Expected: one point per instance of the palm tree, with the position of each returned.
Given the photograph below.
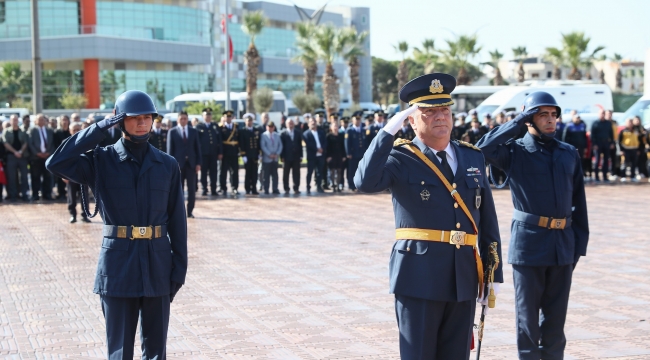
(426, 55)
(619, 74)
(352, 44)
(574, 45)
(520, 53)
(327, 44)
(12, 81)
(307, 54)
(402, 70)
(459, 53)
(556, 57)
(495, 56)
(253, 23)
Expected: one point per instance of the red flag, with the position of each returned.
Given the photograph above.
(223, 29)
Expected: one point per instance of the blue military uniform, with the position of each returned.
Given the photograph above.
(230, 160)
(159, 139)
(435, 283)
(210, 139)
(134, 277)
(549, 231)
(355, 138)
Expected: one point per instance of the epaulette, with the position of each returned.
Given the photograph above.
(400, 142)
(466, 144)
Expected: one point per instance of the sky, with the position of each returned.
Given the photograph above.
(621, 26)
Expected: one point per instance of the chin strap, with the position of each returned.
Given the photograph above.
(542, 136)
(136, 139)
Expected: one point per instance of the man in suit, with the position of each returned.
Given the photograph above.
(249, 143)
(271, 146)
(158, 136)
(316, 147)
(60, 134)
(355, 139)
(41, 145)
(291, 155)
(183, 144)
(230, 159)
(210, 138)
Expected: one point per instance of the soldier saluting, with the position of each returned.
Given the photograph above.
(550, 230)
(143, 258)
(444, 218)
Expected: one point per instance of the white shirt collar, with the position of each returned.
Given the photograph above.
(451, 156)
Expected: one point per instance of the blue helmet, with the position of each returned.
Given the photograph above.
(541, 98)
(135, 102)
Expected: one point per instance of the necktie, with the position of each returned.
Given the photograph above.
(44, 138)
(184, 136)
(446, 169)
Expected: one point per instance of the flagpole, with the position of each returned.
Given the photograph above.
(227, 56)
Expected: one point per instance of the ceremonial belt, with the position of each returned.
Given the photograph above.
(233, 143)
(454, 194)
(229, 140)
(135, 232)
(542, 221)
(453, 237)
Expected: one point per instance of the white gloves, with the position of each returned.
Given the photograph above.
(397, 121)
(245, 159)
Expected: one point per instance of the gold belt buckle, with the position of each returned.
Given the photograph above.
(457, 238)
(556, 223)
(141, 232)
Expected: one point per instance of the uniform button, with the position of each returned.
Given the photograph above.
(422, 183)
(408, 249)
(456, 205)
(457, 225)
(454, 185)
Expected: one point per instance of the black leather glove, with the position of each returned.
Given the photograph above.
(526, 116)
(173, 290)
(111, 121)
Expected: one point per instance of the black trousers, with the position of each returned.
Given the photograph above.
(294, 168)
(61, 187)
(616, 162)
(41, 178)
(434, 330)
(642, 163)
(353, 164)
(631, 161)
(209, 167)
(541, 301)
(229, 164)
(188, 176)
(121, 315)
(250, 179)
(318, 165)
(12, 170)
(73, 191)
(603, 167)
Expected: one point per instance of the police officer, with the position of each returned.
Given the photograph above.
(143, 258)
(158, 136)
(249, 145)
(355, 139)
(442, 218)
(210, 138)
(230, 158)
(549, 226)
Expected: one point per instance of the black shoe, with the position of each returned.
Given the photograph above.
(286, 192)
(308, 191)
(35, 198)
(214, 193)
(73, 220)
(326, 187)
(204, 193)
(277, 192)
(254, 192)
(48, 198)
(235, 192)
(190, 216)
(320, 190)
(296, 192)
(25, 198)
(266, 192)
(85, 219)
(248, 192)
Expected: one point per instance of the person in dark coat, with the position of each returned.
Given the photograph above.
(74, 190)
(41, 145)
(406, 132)
(210, 138)
(445, 224)
(249, 145)
(602, 142)
(575, 133)
(336, 156)
(158, 136)
(60, 134)
(475, 132)
(143, 256)
(550, 229)
(291, 155)
(183, 144)
(230, 158)
(316, 143)
(355, 140)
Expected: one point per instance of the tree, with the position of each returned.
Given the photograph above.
(426, 56)
(327, 43)
(196, 107)
(306, 103)
(459, 53)
(307, 54)
(73, 101)
(495, 56)
(384, 84)
(520, 54)
(263, 99)
(13, 81)
(574, 46)
(252, 25)
(556, 57)
(159, 94)
(402, 69)
(352, 44)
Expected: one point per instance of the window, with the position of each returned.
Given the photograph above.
(549, 74)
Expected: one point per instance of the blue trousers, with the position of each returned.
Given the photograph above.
(430, 330)
(353, 164)
(542, 289)
(121, 315)
(317, 164)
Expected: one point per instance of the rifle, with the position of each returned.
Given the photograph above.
(493, 264)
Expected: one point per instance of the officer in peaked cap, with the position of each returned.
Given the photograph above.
(211, 152)
(158, 136)
(445, 221)
(230, 151)
(143, 257)
(550, 229)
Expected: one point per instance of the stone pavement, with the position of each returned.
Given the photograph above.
(303, 277)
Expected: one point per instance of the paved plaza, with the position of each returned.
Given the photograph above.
(304, 277)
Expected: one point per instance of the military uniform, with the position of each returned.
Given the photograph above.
(406, 132)
(158, 139)
(230, 160)
(435, 280)
(249, 145)
(549, 230)
(355, 139)
(210, 139)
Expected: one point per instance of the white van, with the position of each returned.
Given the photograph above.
(7, 112)
(640, 108)
(584, 98)
(467, 97)
(280, 107)
(181, 101)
